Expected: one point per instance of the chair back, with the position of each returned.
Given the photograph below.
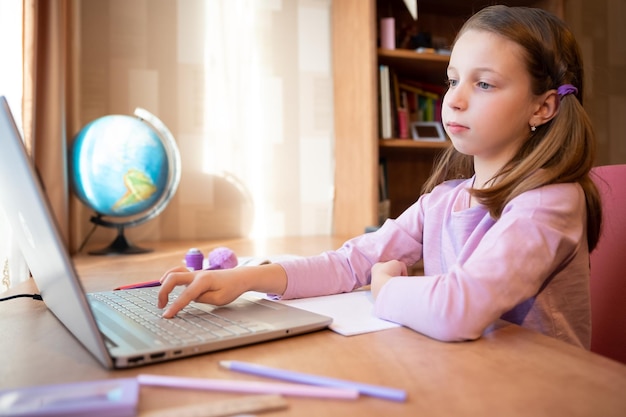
(608, 266)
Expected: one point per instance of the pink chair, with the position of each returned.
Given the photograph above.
(608, 266)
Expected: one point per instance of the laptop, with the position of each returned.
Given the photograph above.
(116, 338)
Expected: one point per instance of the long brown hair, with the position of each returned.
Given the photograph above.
(560, 151)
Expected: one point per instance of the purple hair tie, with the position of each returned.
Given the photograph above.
(566, 89)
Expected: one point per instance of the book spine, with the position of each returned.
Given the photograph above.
(385, 102)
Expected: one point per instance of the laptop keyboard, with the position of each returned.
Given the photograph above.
(190, 325)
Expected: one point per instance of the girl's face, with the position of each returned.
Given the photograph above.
(489, 104)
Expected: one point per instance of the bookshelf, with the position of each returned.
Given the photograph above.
(358, 143)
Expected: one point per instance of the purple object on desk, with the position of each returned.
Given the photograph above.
(194, 259)
(108, 397)
(222, 258)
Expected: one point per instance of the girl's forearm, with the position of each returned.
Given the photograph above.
(271, 278)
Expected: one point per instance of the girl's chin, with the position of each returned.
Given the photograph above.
(462, 147)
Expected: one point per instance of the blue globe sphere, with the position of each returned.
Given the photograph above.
(119, 166)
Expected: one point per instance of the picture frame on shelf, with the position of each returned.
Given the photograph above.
(431, 131)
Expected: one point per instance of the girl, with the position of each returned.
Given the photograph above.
(506, 221)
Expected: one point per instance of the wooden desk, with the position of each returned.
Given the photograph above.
(509, 372)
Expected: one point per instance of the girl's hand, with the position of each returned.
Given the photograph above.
(383, 272)
(218, 287)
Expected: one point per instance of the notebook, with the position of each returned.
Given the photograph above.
(117, 339)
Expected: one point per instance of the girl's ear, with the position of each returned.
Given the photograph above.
(547, 108)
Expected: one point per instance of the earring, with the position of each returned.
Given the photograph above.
(533, 128)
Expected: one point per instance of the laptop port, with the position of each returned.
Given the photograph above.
(157, 355)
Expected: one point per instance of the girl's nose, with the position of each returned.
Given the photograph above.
(455, 98)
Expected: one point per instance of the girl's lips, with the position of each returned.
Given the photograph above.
(456, 128)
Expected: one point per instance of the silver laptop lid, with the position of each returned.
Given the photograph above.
(28, 212)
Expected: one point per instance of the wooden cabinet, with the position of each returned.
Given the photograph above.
(358, 148)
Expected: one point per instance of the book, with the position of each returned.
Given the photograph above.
(403, 123)
(403, 116)
(396, 103)
(385, 103)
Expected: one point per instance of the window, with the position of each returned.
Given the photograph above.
(11, 53)
(12, 266)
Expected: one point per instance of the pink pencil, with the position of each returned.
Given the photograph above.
(257, 387)
(146, 284)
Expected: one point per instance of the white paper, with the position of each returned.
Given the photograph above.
(352, 313)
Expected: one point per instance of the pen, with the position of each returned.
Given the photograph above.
(247, 386)
(365, 389)
(145, 284)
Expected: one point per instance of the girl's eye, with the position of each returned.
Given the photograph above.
(483, 85)
(451, 82)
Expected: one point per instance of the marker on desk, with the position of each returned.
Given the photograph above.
(247, 386)
(145, 284)
(365, 389)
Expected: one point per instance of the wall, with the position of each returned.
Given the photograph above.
(245, 87)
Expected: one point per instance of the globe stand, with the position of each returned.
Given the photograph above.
(119, 246)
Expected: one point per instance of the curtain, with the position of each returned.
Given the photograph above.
(48, 97)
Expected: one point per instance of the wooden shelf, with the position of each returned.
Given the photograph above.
(413, 144)
(413, 58)
(427, 66)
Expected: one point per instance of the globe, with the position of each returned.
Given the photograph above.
(126, 169)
